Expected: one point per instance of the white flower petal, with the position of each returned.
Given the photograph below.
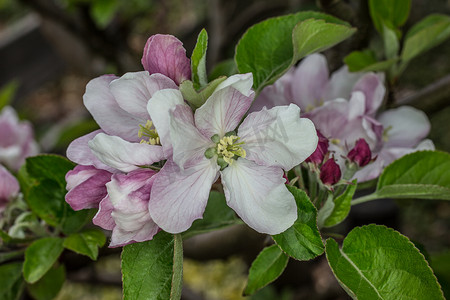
(102, 105)
(189, 145)
(259, 196)
(222, 112)
(159, 108)
(241, 82)
(122, 155)
(179, 197)
(278, 137)
(133, 90)
(406, 126)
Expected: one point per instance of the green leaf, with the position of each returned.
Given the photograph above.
(365, 61)
(49, 166)
(103, 11)
(40, 256)
(7, 93)
(302, 240)
(342, 206)
(47, 200)
(198, 61)
(426, 34)
(86, 242)
(391, 43)
(376, 262)
(147, 268)
(48, 287)
(418, 175)
(11, 281)
(267, 48)
(389, 13)
(267, 267)
(197, 98)
(314, 35)
(217, 215)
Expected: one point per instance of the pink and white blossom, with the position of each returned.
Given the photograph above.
(16, 139)
(9, 187)
(250, 159)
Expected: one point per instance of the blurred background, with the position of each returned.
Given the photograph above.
(50, 49)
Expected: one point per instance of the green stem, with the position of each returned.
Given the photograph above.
(363, 199)
(312, 182)
(298, 173)
(177, 277)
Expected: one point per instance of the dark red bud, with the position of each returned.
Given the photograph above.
(360, 154)
(330, 173)
(285, 178)
(321, 150)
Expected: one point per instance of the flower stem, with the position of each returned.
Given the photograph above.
(177, 276)
(363, 199)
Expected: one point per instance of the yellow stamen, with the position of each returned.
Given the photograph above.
(230, 149)
(148, 132)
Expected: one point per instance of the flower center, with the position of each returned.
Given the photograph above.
(150, 133)
(228, 149)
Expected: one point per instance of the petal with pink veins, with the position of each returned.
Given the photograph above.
(222, 112)
(86, 186)
(179, 197)
(259, 196)
(103, 217)
(103, 107)
(241, 82)
(373, 89)
(122, 155)
(165, 54)
(133, 90)
(278, 137)
(189, 145)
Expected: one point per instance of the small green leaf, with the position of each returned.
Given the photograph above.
(426, 34)
(197, 98)
(217, 215)
(48, 287)
(389, 13)
(7, 93)
(49, 166)
(40, 256)
(342, 206)
(302, 240)
(86, 242)
(418, 175)
(325, 211)
(11, 281)
(365, 61)
(391, 43)
(376, 262)
(198, 61)
(314, 35)
(267, 48)
(147, 268)
(267, 267)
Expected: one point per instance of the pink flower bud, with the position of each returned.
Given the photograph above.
(9, 187)
(330, 173)
(360, 154)
(321, 150)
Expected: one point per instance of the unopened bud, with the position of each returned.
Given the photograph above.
(360, 154)
(330, 173)
(321, 150)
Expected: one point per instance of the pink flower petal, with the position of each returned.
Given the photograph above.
(103, 217)
(222, 112)
(179, 197)
(278, 137)
(9, 187)
(189, 145)
(259, 196)
(373, 89)
(102, 105)
(309, 81)
(133, 90)
(165, 54)
(122, 155)
(86, 186)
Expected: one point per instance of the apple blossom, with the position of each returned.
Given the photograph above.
(16, 139)
(9, 187)
(250, 158)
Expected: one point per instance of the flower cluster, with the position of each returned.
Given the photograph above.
(345, 109)
(153, 162)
